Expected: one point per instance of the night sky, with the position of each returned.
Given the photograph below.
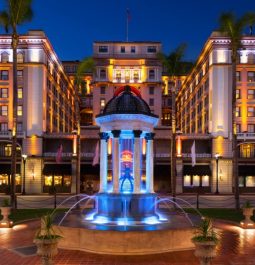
(73, 25)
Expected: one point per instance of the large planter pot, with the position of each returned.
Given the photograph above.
(247, 222)
(5, 212)
(205, 251)
(47, 249)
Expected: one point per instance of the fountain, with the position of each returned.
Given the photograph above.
(126, 218)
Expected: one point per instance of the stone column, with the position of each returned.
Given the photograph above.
(103, 161)
(137, 161)
(149, 162)
(116, 160)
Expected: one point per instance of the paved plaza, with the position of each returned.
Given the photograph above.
(237, 248)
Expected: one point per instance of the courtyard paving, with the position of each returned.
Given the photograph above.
(237, 248)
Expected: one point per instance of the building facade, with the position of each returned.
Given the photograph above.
(45, 107)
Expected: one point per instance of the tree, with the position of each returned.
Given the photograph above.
(86, 65)
(174, 66)
(16, 13)
(233, 27)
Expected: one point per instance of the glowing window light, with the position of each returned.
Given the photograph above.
(187, 181)
(109, 147)
(144, 146)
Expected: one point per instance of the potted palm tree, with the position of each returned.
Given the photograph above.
(248, 213)
(46, 240)
(6, 211)
(205, 241)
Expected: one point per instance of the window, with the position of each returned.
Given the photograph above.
(151, 101)
(251, 94)
(122, 49)
(102, 90)
(250, 111)
(251, 128)
(118, 75)
(251, 76)
(151, 74)
(102, 102)
(247, 150)
(19, 127)
(238, 76)
(132, 49)
(151, 90)
(102, 73)
(103, 49)
(4, 57)
(238, 128)
(4, 75)
(3, 92)
(238, 112)
(20, 58)
(3, 110)
(19, 110)
(151, 49)
(20, 92)
(136, 75)
(4, 127)
(251, 58)
(238, 94)
(20, 73)
(8, 150)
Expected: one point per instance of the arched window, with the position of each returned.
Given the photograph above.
(4, 57)
(20, 57)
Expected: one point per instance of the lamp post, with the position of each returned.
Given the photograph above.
(217, 156)
(24, 157)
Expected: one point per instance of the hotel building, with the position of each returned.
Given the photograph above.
(46, 111)
(45, 108)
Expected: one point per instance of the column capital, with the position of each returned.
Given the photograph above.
(104, 136)
(116, 133)
(137, 133)
(149, 136)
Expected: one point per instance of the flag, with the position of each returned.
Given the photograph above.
(193, 154)
(96, 155)
(128, 15)
(59, 154)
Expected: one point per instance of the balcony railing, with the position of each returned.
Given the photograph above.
(246, 136)
(184, 155)
(8, 134)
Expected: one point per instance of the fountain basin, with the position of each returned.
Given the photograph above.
(128, 242)
(131, 238)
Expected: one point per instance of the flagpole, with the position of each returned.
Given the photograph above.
(127, 24)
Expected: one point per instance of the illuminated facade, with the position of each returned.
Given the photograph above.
(204, 109)
(45, 107)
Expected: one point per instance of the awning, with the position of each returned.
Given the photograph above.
(57, 169)
(197, 170)
(246, 170)
(162, 172)
(6, 169)
(90, 170)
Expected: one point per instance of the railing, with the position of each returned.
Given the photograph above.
(8, 134)
(184, 155)
(246, 136)
(54, 154)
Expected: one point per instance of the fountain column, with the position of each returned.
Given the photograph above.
(136, 161)
(103, 161)
(116, 160)
(149, 162)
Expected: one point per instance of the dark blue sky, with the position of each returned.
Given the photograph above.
(73, 25)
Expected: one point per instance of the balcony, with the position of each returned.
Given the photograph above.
(8, 134)
(246, 136)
